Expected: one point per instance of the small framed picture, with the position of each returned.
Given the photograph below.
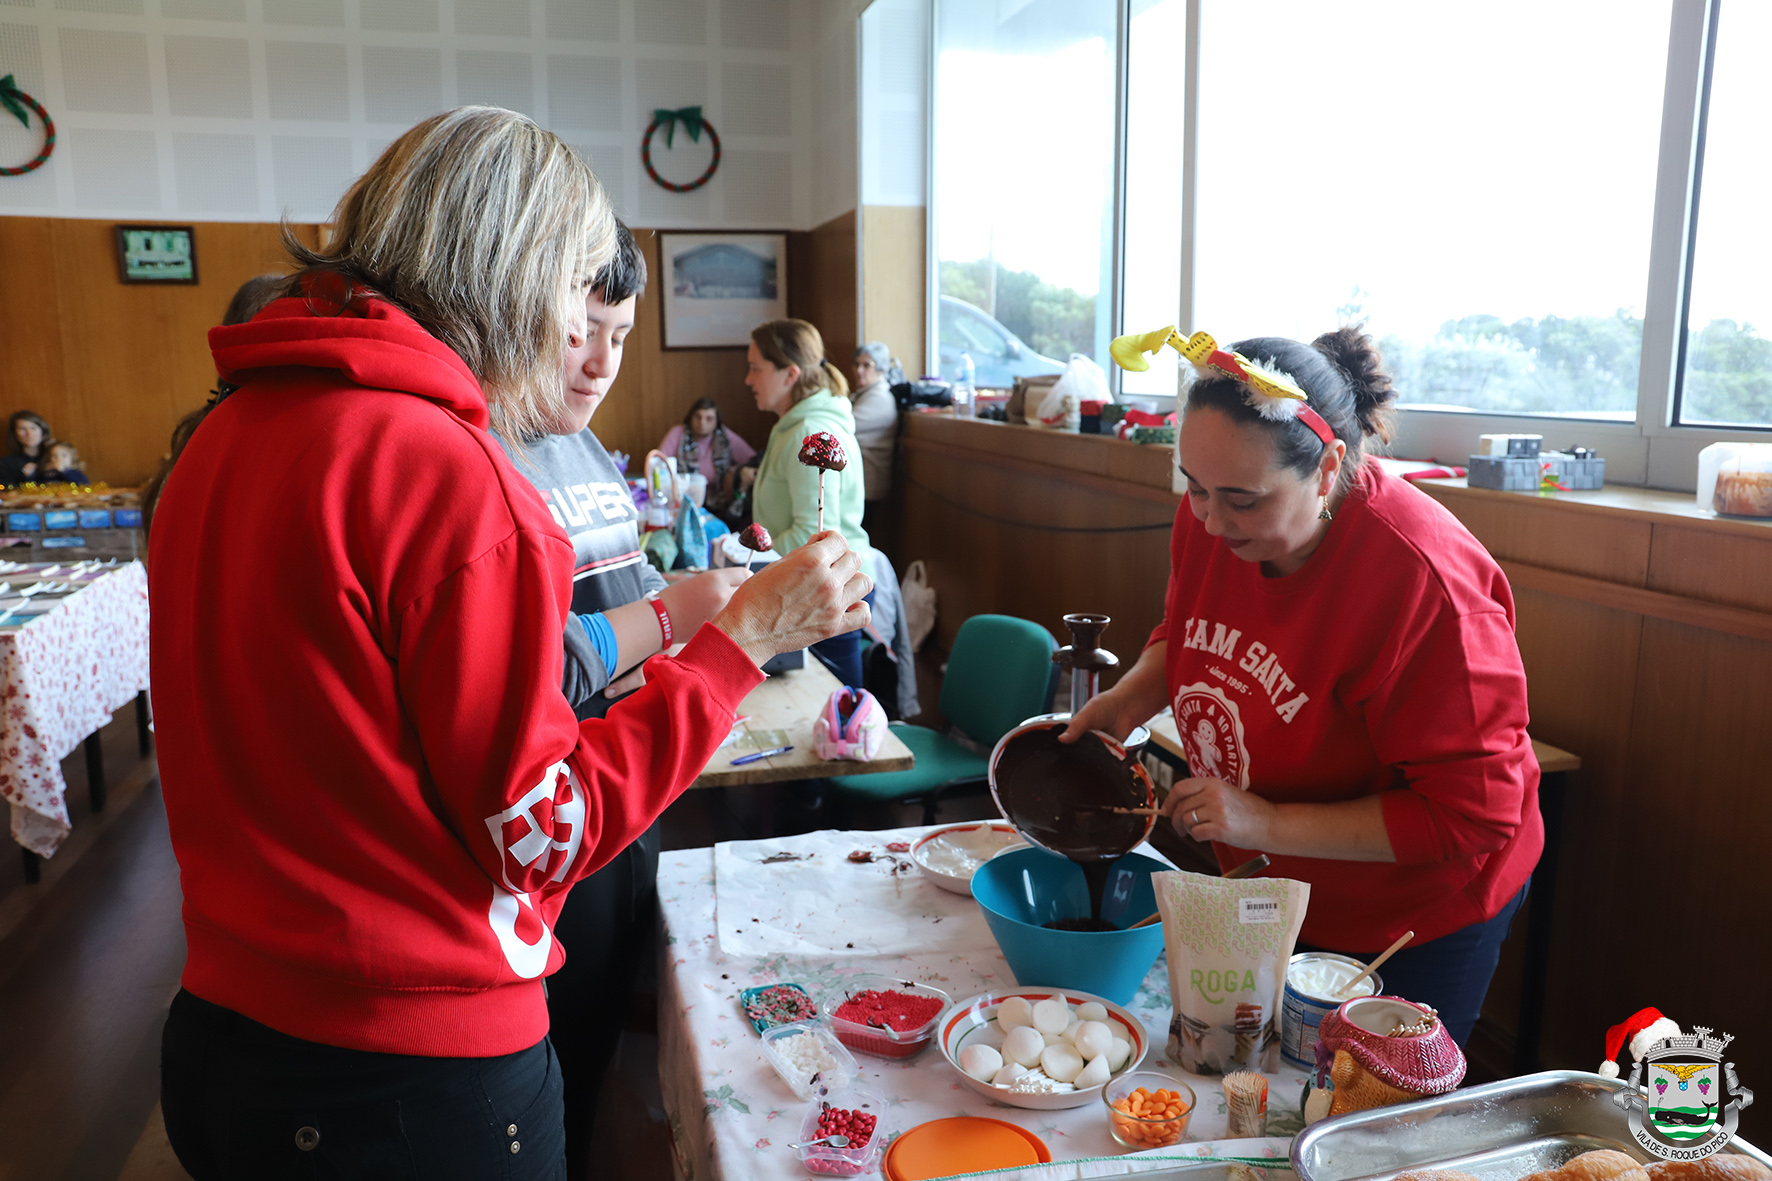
(717, 287)
(156, 254)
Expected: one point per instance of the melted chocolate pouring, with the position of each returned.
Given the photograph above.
(1059, 795)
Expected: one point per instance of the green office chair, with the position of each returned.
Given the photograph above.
(1000, 673)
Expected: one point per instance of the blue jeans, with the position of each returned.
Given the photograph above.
(1451, 973)
(842, 654)
(243, 1100)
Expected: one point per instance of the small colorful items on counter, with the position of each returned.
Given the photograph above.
(807, 1056)
(824, 452)
(855, 1113)
(1149, 1110)
(771, 1005)
(857, 1126)
(887, 1018)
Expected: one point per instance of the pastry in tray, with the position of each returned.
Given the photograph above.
(1605, 1164)
(1733, 1167)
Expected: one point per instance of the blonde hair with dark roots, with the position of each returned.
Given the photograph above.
(487, 230)
(795, 342)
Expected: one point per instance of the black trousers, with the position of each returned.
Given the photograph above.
(606, 928)
(245, 1102)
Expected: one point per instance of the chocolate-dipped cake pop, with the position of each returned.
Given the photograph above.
(823, 452)
(756, 539)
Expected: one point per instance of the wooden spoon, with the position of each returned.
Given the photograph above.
(1372, 967)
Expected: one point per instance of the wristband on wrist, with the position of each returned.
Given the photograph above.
(664, 621)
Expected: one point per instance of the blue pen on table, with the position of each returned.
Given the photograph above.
(742, 760)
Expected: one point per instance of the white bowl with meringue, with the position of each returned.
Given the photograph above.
(1082, 1042)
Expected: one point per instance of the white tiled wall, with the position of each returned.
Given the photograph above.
(249, 110)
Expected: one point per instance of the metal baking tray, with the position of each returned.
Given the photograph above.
(1498, 1132)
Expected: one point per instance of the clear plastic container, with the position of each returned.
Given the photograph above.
(856, 1159)
(1148, 1130)
(806, 1083)
(885, 1042)
(1735, 479)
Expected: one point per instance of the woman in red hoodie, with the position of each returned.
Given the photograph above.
(1339, 653)
(377, 793)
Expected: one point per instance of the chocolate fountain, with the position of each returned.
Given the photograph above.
(1089, 800)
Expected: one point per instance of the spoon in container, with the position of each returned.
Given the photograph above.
(835, 1140)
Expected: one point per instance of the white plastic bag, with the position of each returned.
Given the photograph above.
(1082, 381)
(919, 604)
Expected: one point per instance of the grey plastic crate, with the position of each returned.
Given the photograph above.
(1504, 473)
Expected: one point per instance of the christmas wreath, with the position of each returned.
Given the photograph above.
(17, 101)
(694, 124)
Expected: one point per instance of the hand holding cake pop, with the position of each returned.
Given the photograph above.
(824, 452)
(756, 539)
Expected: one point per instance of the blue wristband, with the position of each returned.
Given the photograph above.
(603, 640)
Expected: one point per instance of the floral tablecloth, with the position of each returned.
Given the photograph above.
(62, 674)
(732, 1117)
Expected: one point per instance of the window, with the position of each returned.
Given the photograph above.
(1550, 211)
(1480, 191)
(1023, 126)
(1156, 95)
(1726, 375)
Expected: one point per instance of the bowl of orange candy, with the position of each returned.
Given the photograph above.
(1148, 1109)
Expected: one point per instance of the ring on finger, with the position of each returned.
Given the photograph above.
(1196, 818)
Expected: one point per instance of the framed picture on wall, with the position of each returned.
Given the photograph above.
(157, 254)
(717, 287)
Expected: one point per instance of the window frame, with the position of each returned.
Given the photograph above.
(1656, 450)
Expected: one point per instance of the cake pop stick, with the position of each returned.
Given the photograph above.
(823, 452)
(756, 539)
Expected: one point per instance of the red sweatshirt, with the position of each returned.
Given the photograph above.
(1386, 666)
(378, 795)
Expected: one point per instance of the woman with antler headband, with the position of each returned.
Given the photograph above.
(1346, 648)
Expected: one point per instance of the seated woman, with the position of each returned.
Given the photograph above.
(1339, 652)
(876, 418)
(30, 438)
(701, 443)
(791, 377)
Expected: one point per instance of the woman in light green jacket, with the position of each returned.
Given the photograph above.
(791, 377)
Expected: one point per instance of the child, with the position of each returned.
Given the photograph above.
(64, 465)
(624, 612)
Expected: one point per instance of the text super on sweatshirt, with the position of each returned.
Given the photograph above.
(1386, 666)
(377, 794)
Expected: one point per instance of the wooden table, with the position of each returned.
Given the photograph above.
(780, 712)
(1554, 766)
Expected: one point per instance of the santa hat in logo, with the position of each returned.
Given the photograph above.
(1642, 1030)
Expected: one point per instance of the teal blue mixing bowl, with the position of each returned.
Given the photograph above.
(1025, 888)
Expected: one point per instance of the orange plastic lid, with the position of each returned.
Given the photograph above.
(964, 1144)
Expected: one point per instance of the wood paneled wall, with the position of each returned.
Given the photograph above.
(1647, 640)
(1010, 520)
(894, 271)
(114, 366)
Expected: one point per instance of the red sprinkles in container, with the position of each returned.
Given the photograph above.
(887, 1022)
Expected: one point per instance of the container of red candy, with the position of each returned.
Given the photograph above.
(858, 1113)
(885, 1017)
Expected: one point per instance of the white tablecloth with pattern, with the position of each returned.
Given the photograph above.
(62, 675)
(732, 1117)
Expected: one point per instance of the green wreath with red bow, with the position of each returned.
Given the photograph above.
(18, 102)
(694, 124)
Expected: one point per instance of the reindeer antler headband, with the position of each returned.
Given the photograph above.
(1270, 392)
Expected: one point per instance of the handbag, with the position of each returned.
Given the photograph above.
(851, 726)
(919, 603)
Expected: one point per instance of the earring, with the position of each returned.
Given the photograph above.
(1325, 514)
